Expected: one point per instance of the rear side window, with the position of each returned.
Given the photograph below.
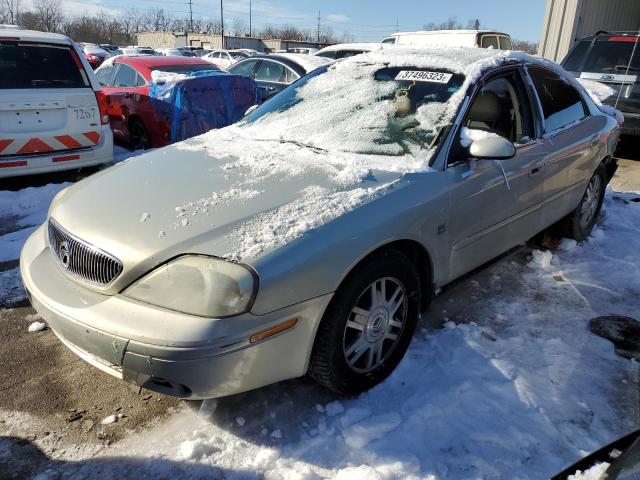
(505, 43)
(245, 68)
(126, 76)
(561, 103)
(489, 41)
(105, 75)
(271, 72)
(39, 66)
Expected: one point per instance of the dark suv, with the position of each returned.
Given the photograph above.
(613, 59)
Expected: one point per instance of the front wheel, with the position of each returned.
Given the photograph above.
(579, 223)
(368, 325)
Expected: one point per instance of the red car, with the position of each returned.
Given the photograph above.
(94, 54)
(126, 83)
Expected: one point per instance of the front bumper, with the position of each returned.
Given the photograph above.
(168, 352)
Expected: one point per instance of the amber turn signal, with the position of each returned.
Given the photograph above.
(270, 332)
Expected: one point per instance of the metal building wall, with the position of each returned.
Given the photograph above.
(567, 21)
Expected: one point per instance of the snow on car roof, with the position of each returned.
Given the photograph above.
(308, 62)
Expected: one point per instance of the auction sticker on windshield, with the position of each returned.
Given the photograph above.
(422, 76)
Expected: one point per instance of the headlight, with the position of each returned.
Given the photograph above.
(197, 285)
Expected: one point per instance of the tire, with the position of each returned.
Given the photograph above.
(353, 352)
(138, 136)
(579, 223)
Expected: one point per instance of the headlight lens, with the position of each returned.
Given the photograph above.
(197, 285)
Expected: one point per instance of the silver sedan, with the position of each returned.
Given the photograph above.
(308, 238)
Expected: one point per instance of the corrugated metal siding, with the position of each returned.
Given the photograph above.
(611, 15)
(567, 21)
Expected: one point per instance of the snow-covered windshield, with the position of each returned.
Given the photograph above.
(363, 109)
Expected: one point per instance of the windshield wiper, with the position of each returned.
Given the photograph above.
(625, 67)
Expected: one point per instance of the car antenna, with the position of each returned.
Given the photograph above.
(635, 45)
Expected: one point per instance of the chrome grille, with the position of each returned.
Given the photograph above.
(80, 259)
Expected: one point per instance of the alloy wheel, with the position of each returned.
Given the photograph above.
(590, 201)
(375, 324)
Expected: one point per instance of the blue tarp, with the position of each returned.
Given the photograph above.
(206, 100)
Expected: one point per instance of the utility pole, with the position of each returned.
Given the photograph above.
(250, 31)
(222, 23)
(397, 25)
(190, 17)
(318, 37)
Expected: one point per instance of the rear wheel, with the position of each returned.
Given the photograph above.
(368, 325)
(579, 223)
(138, 136)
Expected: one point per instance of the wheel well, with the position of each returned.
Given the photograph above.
(418, 256)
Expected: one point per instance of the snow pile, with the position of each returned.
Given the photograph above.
(168, 78)
(598, 91)
(37, 327)
(541, 259)
(594, 473)
(470, 135)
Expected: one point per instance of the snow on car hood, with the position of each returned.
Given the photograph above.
(244, 190)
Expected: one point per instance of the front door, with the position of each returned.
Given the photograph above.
(495, 204)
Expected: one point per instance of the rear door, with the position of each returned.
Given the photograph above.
(613, 60)
(123, 97)
(571, 142)
(47, 103)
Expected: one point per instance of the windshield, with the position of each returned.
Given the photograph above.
(188, 68)
(362, 109)
(606, 55)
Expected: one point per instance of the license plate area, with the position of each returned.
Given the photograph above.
(32, 120)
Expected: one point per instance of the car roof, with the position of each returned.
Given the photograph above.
(160, 61)
(301, 63)
(448, 32)
(35, 36)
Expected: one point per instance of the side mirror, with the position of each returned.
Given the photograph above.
(250, 109)
(492, 148)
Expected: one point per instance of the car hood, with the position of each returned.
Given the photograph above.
(183, 199)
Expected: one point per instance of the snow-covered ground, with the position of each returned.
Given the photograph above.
(513, 386)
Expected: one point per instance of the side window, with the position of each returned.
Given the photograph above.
(561, 103)
(140, 82)
(126, 76)
(489, 41)
(105, 76)
(291, 76)
(501, 107)
(505, 43)
(271, 72)
(244, 69)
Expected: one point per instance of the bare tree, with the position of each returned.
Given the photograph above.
(451, 23)
(13, 10)
(525, 46)
(49, 14)
(239, 28)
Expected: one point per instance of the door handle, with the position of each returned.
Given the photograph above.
(536, 169)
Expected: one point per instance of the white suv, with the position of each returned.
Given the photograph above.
(53, 115)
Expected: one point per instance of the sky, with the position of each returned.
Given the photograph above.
(366, 20)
